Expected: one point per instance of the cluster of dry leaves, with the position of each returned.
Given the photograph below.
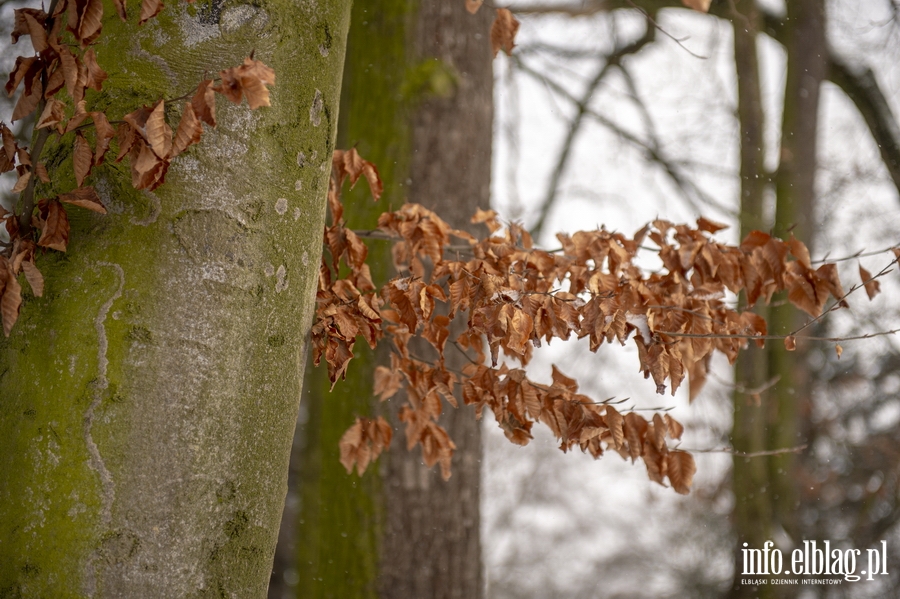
(515, 296)
(55, 82)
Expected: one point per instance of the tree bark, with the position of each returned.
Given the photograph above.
(752, 511)
(149, 398)
(417, 102)
(795, 211)
(432, 546)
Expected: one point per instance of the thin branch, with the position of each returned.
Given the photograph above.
(687, 188)
(581, 110)
(861, 86)
(26, 200)
(666, 33)
(840, 301)
(750, 454)
(859, 254)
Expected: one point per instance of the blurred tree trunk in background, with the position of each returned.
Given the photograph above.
(752, 511)
(418, 103)
(767, 490)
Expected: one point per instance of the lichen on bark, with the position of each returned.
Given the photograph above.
(147, 401)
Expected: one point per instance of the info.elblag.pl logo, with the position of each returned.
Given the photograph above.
(814, 560)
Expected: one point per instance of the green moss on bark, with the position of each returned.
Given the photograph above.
(145, 417)
(341, 516)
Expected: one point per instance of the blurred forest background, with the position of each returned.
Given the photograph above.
(761, 114)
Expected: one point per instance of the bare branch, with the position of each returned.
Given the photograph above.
(751, 454)
(689, 191)
(582, 108)
(862, 88)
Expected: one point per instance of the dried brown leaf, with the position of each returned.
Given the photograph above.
(120, 9)
(873, 286)
(503, 31)
(85, 197)
(675, 428)
(387, 382)
(54, 112)
(710, 226)
(23, 68)
(698, 5)
(95, 75)
(55, 232)
(23, 23)
(125, 137)
(149, 9)
(9, 143)
(82, 159)
(105, 133)
(90, 21)
(35, 29)
(254, 77)
(616, 425)
(158, 132)
(681, 468)
(22, 181)
(34, 277)
(55, 82)
(30, 98)
(204, 102)
(78, 118)
(11, 298)
(69, 67)
(41, 171)
(790, 343)
(189, 131)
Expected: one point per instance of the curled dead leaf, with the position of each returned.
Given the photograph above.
(473, 5)
(55, 228)
(84, 197)
(204, 102)
(82, 159)
(503, 32)
(873, 286)
(10, 296)
(34, 277)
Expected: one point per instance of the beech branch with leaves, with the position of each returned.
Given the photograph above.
(516, 296)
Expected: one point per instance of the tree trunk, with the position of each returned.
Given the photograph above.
(752, 511)
(417, 102)
(149, 398)
(768, 488)
(432, 546)
(795, 209)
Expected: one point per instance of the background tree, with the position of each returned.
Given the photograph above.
(417, 102)
(149, 397)
(777, 401)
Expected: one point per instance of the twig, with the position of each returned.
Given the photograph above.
(840, 301)
(653, 154)
(666, 33)
(750, 454)
(581, 110)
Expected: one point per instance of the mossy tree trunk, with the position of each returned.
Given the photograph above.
(148, 400)
(752, 509)
(795, 211)
(417, 101)
(777, 416)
